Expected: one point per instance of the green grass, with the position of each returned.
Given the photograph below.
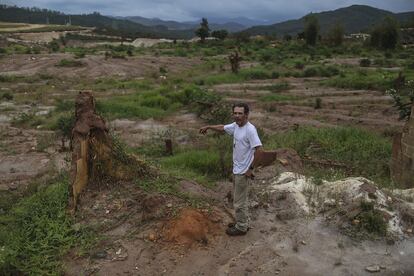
(155, 103)
(367, 153)
(203, 165)
(363, 79)
(278, 98)
(111, 83)
(37, 231)
(277, 87)
(124, 108)
(257, 73)
(69, 63)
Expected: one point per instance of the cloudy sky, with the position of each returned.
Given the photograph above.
(185, 10)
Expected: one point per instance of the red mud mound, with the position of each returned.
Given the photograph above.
(192, 226)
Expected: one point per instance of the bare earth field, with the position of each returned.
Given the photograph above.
(365, 108)
(95, 66)
(147, 234)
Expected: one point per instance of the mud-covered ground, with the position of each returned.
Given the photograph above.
(281, 241)
(143, 234)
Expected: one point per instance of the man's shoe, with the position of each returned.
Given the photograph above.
(233, 231)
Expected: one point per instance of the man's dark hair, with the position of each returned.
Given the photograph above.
(244, 105)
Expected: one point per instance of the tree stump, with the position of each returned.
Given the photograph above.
(97, 157)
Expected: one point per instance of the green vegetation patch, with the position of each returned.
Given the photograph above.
(37, 232)
(69, 63)
(256, 73)
(152, 103)
(278, 98)
(363, 79)
(371, 219)
(364, 153)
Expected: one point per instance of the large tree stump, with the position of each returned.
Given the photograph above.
(96, 156)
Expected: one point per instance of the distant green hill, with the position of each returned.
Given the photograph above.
(104, 24)
(174, 25)
(354, 19)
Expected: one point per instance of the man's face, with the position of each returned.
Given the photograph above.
(239, 116)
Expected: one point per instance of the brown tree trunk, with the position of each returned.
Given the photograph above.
(96, 156)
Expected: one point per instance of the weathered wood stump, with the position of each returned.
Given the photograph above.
(96, 156)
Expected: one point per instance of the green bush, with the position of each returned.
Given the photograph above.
(53, 45)
(7, 96)
(365, 62)
(318, 103)
(79, 55)
(310, 72)
(69, 63)
(371, 219)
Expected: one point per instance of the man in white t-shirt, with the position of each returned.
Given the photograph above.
(245, 143)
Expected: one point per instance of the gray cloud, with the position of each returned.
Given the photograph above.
(182, 10)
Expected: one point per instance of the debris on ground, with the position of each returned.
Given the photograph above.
(352, 201)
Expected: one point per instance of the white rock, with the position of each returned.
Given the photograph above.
(372, 268)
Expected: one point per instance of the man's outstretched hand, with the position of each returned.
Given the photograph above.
(203, 130)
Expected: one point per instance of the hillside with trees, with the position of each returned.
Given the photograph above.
(104, 24)
(355, 18)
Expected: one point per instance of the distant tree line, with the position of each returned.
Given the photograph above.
(103, 24)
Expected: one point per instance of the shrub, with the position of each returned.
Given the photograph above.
(310, 72)
(69, 63)
(53, 45)
(275, 75)
(318, 103)
(365, 62)
(299, 65)
(79, 55)
(7, 96)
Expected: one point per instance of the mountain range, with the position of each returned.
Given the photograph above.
(354, 18)
(232, 25)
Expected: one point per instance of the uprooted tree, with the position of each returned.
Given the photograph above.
(97, 157)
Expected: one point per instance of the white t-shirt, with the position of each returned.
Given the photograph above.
(245, 139)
